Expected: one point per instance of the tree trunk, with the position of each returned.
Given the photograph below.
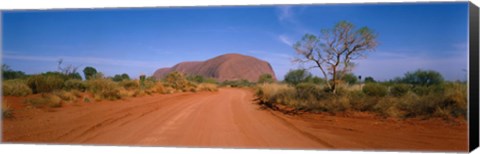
(334, 79)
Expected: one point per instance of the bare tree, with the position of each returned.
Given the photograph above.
(333, 51)
(68, 70)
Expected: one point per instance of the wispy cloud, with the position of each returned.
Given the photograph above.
(285, 40)
(86, 60)
(285, 13)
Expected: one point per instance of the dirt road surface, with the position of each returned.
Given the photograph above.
(228, 118)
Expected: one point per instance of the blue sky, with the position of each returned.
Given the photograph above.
(135, 41)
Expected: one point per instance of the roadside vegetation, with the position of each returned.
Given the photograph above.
(54, 89)
(410, 96)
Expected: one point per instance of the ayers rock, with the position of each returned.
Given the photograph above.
(224, 67)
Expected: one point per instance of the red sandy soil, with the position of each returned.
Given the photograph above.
(223, 67)
(227, 118)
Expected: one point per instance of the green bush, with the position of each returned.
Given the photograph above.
(316, 80)
(75, 84)
(350, 78)
(375, 89)
(370, 79)
(45, 83)
(8, 73)
(423, 78)
(15, 87)
(310, 91)
(399, 90)
(103, 89)
(295, 77)
(89, 72)
(266, 78)
(120, 77)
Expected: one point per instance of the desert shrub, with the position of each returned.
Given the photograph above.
(9, 74)
(455, 99)
(387, 107)
(45, 100)
(271, 94)
(169, 90)
(75, 84)
(120, 77)
(149, 84)
(86, 100)
(103, 89)
(426, 90)
(416, 106)
(310, 91)
(423, 78)
(362, 102)
(76, 93)
(421, 90)
(66, 96)
(178, 81)
(138, 93)
(129, 84)
(350, 78)
(375, 89)
(207, 87)
(45, 83)
(369, 79)
(399, 90)
(89, 72)
(265, 78)
(7, 111)
(337, 104)
(444, 100)
(316, 80)
(15, 87)
(295, 77)
(159, 88)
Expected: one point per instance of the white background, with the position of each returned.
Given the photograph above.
(84, 149)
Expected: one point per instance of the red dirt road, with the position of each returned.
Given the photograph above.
(228, 118)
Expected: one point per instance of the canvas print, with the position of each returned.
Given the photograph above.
(323, 77)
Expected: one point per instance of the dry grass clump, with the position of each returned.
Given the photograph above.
(75, 84)
(44, 83)
(207, 87)
(104, 89)
(46, 100)
(7, 111)
(270, 94)
(66, 96)
(129, 84)
(15, 87)
(179, 82)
